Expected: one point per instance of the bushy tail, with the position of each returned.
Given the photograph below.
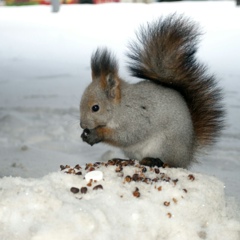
(165, 53)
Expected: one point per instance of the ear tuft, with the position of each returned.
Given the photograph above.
(105, 70)
(103, 63)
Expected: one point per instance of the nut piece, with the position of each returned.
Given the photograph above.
(97, 164)
(88, 165)
(165, 165)
(155, 179)
(166, 203)
(91, 169)
(128, 178)
(118, 169)
(135, 177)
(147, 180)
(74, 190)
(98, 187)
(62, 167)
(136, 193)
(84, 190)
(78, 167)
(191, 177)
(175, 181)
(89, 184)
(71, 171)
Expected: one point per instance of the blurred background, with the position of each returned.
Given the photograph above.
(47, 2)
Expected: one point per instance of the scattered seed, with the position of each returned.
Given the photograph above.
(142, 175)
(91, 169)
(135, 177)
(147, 180)
(84, 190)
(166, 179)
(124, 163)
(62, 167)
(96, 164)
(155, 179)
(191, 177)
(71, 171)
(78, 167)
(131, 162)
(136, 193)
(111, 162)
(169, 215)
(166, 203)
(128, 178)
(98, 187)
(165, 165)
(175, 181)
(90, 183)
(141, 179)
(88, 165)
(74, 190)
(118, 169)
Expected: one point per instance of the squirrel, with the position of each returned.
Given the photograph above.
(168, 116)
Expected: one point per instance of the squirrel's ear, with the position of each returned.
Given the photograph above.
(113, 87)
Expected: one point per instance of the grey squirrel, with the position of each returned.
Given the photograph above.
(168, 116)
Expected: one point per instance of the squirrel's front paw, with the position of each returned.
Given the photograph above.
(90, 136)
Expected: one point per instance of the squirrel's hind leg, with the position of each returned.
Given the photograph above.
(152, 162)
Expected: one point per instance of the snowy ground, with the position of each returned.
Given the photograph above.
(44, 68)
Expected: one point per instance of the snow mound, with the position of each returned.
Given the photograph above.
(129, 201)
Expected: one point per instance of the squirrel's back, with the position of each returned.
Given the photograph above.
(165, 54)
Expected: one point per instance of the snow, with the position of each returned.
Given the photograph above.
(44, 66)
(47, 209)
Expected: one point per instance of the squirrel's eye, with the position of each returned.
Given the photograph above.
(95, 108)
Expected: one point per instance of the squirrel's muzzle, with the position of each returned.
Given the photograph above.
(83, 126)
(90, 136)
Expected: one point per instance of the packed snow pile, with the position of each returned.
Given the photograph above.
(118, 199)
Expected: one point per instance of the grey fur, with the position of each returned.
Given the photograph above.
(162, 130)
(155, 118)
